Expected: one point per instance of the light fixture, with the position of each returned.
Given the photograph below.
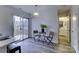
(35, 12)
(63, 19)
(74, 18)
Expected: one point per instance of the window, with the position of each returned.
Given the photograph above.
(20, 26)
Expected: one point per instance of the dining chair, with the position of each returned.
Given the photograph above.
(36, 35)
(49, 37)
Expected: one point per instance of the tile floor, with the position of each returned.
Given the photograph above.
(31, 46)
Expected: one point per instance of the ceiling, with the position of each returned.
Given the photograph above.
(31, 8)
(45, 11)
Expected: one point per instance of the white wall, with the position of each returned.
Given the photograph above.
(74, 27)
(78, 28)
(6, 18)
(48, 16)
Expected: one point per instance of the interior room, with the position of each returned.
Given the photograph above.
(39, 29)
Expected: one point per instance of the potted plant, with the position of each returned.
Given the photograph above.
(43, 27)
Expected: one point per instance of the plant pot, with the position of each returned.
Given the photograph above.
(42, 30)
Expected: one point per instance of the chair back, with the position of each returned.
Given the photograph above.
(51, 34)
(35, 31)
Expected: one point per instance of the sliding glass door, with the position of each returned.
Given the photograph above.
(20, 26)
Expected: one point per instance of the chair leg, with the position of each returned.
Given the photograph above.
(7, 49)
(34, 38)
(19, 49)
(50, 41)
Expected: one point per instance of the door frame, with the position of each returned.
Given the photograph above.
(69, 26)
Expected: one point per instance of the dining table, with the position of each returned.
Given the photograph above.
(44, 37)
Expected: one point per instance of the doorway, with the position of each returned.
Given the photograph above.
(64, 37)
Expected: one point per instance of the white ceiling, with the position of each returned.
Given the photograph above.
(31, 8)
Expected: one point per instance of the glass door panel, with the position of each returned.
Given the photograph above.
(20, 26)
